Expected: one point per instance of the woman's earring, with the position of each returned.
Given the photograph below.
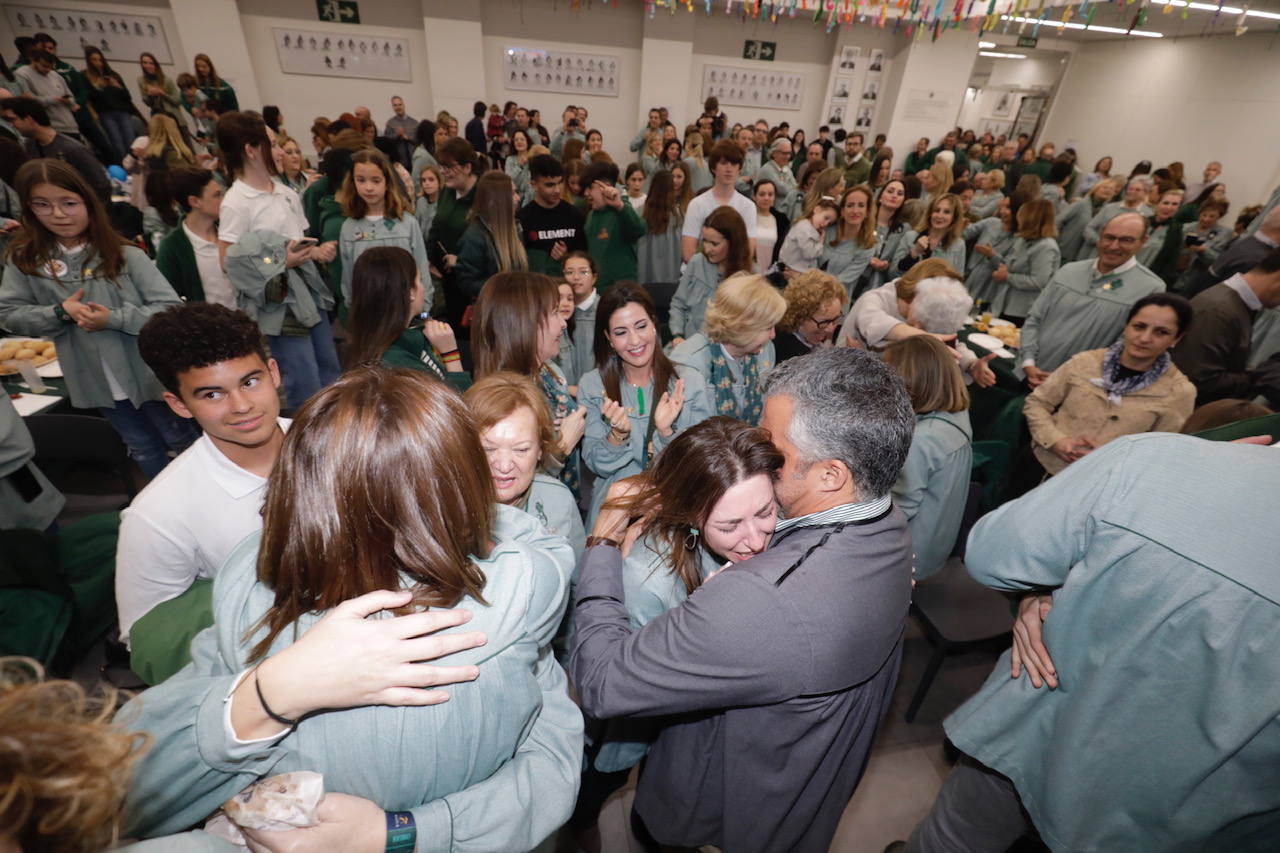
(691, 541)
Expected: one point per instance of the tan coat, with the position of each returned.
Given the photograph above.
(1068, 405)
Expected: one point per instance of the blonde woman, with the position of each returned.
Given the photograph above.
(699, 171)
(491, 244)
(651, 159)
(940, 236)
(734, 352)
(166, 147)
(851, 242)
(988, 190)
(292, 173)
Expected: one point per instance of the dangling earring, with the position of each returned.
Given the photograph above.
(691, 541)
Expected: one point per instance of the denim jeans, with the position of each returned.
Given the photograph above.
(119, 129)
(150, 431)
(307, 363)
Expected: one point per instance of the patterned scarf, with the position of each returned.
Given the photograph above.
(722, 382)
(1115, 386)
(561, 403)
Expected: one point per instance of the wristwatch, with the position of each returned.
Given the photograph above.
(61, 314)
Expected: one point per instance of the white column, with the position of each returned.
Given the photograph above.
(666, 65)
(455, 56)
(213, 27)
(931, 93)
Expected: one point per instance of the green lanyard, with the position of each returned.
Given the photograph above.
(639, 401)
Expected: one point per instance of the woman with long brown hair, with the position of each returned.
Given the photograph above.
(1032, 260)
(491, 244)
(725, 250)
(387, 323)
(214, 87)
(934, 484)
(110, 99)
(70, 277)
(158, 91)
(658, 251)
(517, 328)
(381, 488)
(636, 399)
(706, 503)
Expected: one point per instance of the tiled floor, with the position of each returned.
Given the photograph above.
(907, 765)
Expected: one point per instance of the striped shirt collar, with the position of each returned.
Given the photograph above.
(842, 514)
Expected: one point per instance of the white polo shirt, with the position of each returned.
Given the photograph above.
(245, 209)
(182, 527)
(702, 205)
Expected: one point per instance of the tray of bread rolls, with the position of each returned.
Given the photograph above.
(19, 349)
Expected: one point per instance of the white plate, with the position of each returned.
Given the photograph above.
(29, 404)
(990, 343)
(52, 370)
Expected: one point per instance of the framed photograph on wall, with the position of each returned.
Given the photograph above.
(844, 85)
(751, 87)
(1003, 107)
(340, 54)
(866, 113)
(121, 38)
(877, 62)
(536, 70)
(835, 115)
(849, 57)
(871, 91)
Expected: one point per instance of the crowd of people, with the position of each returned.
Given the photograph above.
(404, 373)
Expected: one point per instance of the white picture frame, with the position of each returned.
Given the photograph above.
(340, 53)
(876, 66)
(849, 56)
(120, 37)
(534, 69)
(753, 87)
(842, 89)
(1003, 107)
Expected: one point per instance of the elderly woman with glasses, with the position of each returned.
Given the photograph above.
(816, 302)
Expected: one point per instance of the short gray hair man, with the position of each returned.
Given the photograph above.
(850, 407)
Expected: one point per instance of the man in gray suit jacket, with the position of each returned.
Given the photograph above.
(773, 677)
(1243, 255)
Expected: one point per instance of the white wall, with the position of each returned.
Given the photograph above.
(936, 72)
(127, 69)
(613, 117)
(301, 98)
(1161, 100)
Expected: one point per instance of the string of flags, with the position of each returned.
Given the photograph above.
(921, 17)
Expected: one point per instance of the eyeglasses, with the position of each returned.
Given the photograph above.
(69, 206)
(825, 324)
(445, 168)
(1119, 241)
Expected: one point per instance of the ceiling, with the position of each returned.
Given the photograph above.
(1164, 19)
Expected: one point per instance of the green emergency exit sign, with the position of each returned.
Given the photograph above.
(762, 50)
(338, 11)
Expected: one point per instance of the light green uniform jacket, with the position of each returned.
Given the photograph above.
(360, 235)
(651, 590)
(1080, 310)
(1165, 729)
(140, 291)
(495, 768)
(613, 462)
(846, 260)
(689, 303)
(934, 485)
(988, 232)
(696, 353)
(1031, 265)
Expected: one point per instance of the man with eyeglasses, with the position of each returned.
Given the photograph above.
(1085, 305)
(31, 119)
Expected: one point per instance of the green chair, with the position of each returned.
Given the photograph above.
(1263, 425)
(57, 592)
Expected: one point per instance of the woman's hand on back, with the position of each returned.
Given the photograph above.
(345, 822)
(347, 660)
